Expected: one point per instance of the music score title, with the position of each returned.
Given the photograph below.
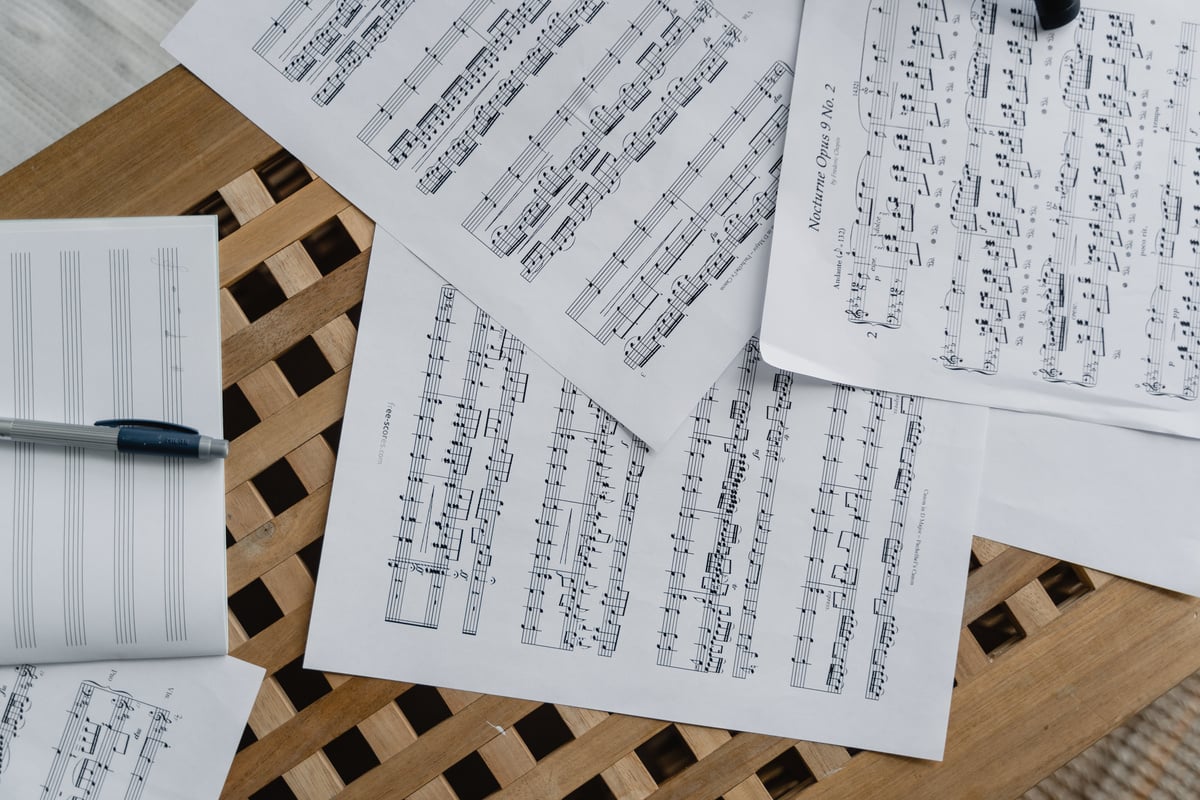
(821, 159)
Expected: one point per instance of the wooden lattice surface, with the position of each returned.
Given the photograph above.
(1051, 657)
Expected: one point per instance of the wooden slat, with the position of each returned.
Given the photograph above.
(971, 658)
(288, 429)
(280, 644)
(822, 759)
(1000, 578)
(314, 777)
(1030, 606)
(506, 756)
(160, 151)
(273, 541)
(1052, 698)
(277, 228)
(707, 741)
(573, 764)
(721, 771)
(626, 778)
(285, 325)
(444, 745)
(304, 733)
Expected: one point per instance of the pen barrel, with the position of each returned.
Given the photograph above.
(158, 442)
(59, 433)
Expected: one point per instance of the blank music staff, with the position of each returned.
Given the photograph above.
(170, 313)
(124, 519)
(16, 700)
(1172, 366)
(584, 530)
(444, 511)
(869, 431)
(71, 314)
(24, 473)
(896, 103)
(109, 739)
(101, 326)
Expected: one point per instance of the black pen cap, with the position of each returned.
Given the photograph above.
(1056, 13)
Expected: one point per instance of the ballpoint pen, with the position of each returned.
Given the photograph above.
(121, 435)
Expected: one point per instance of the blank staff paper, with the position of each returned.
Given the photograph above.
(110, 555)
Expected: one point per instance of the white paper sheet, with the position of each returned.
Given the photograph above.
(107, 555)
(154, 730)
(792, 562)
(980, 210)
(1117, 500)
(599, 174)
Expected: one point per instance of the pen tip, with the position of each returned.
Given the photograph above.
(218, 448)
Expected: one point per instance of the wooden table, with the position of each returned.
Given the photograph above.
(1052, 656)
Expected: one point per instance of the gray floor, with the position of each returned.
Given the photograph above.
(62, 62)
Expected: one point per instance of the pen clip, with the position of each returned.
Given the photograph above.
(146, 423)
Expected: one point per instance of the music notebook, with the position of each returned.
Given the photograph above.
(110, 555)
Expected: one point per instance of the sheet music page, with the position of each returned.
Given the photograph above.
(132, 729)
(984, 211)
(1117, 500)
(792, 562)
(599, 174)
(110, 555)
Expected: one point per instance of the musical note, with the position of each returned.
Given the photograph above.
(623, 149)
(109, 736)
(745, 657)
(306, 39)
(439, 501)
(17, 704)
(699, 599)
(897, 109)
(677, 266)
(682, 538)
(687, 289)
(463, 89)
(887, 426)
(1094, 165)
(572, 547)
(498, 469)
(549, 40)
(1172, 366)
